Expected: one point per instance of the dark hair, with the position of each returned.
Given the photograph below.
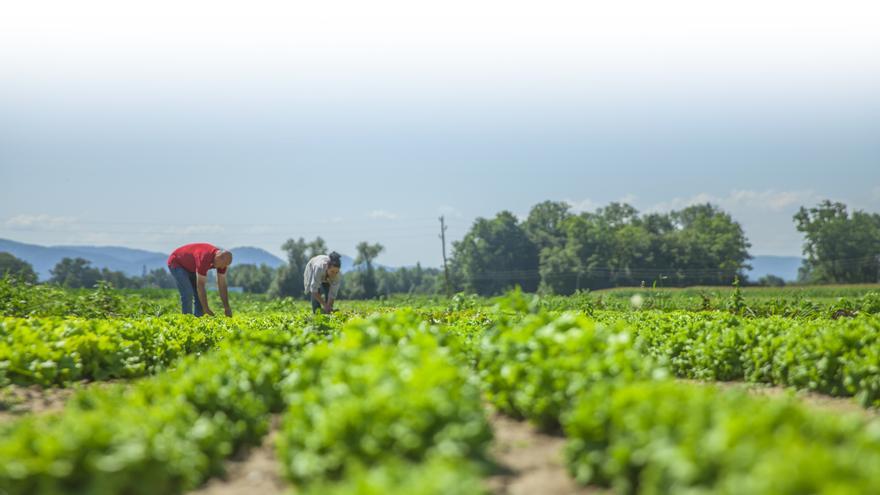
(335, 259)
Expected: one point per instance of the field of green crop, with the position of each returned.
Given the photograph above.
(397, 396)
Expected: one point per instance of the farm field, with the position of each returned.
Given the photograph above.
(629, 391)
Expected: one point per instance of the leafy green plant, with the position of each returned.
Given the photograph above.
(165, 434)
(387, 390)
(665, 437)
(837, 357)
(532, 366)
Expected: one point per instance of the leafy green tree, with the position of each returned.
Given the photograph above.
(711, 248)
(840, 247)
(771, 281)
(75, 273)
(158, 278)
(546, 228)
(288, 281)
(316, 247)
(590, 247)
(367, 253)
(561, 271)
(409, 280)
(545, 225)
(251, 278)
(119, 279)
(495, 255)
(17, 268)
(615, 246)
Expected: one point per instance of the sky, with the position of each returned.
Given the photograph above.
(248, 123)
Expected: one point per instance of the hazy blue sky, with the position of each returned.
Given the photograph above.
(245, 123)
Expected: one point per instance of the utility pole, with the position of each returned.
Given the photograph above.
(445, 268)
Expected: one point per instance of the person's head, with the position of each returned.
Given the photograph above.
(223, 259)
(335, 264)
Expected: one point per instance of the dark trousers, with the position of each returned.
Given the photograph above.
(186, 285)
(325, 291)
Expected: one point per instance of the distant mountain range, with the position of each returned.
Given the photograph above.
(131, 261)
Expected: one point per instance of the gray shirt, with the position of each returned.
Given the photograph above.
(316, 274)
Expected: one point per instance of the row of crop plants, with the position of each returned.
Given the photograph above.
(839, 357)
(391, 403)
(53, 351)
(631, 428)
(385, 406)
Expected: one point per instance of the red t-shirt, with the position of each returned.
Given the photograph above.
(197, 258)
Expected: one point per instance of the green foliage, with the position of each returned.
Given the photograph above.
(26, 300)
(561, 271)
(433, 477)
(771, 281)
(166, 435)
(21, 270)
(288, 281)
(837, 357)
(391, 402)
(737, 303)
(404, 280)
(697, 245)
(545, 225)
(387, 390)
(78, 273)
(252, 278)
(55, 351)
(840, 247)
(637, 434)
(365, 285)
(664, 437)
(462, 301)
(496, 255)
(616, 246)
(533, 366)
(75, 273)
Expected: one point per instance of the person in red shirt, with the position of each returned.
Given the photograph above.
(189, 266)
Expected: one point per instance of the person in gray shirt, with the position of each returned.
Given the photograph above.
(321, 279)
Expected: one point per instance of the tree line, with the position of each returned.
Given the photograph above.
(554, 250)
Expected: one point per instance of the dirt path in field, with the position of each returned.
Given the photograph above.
(17, 401)
(827, 403)
(255, 472)
(531, 461)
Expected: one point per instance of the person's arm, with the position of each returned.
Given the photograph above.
(318, 297)
(224, 293)
(203, 295)
(331, 294)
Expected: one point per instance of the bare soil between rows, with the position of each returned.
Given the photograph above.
(17, 401)
(252, 472)
(531, 461)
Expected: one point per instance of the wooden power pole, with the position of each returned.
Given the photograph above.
(445, 267)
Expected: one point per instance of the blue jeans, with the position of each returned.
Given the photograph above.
(325, 291)
(186, 285)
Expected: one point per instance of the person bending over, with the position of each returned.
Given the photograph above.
(189, 266)
(322, 279)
